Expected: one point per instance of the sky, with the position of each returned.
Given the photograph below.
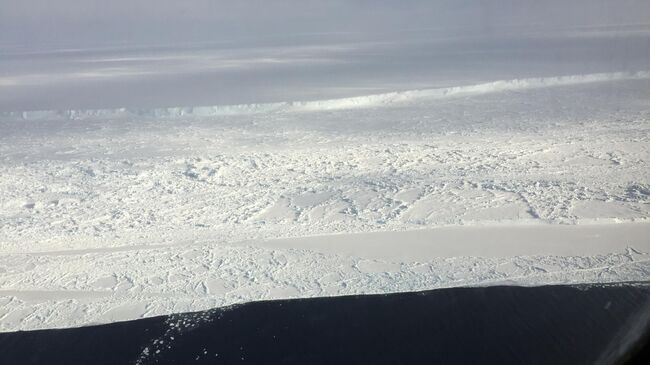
(65, 54)
(38, 23)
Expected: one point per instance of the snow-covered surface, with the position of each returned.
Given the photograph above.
(493, 241)
(115, 218)
(321, 165)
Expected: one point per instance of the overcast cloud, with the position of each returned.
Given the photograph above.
(94, 22)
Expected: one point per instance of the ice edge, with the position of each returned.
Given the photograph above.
(357, 102)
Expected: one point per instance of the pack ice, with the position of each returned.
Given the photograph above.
(121, 212)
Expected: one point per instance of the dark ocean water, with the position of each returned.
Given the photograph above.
(584, 324)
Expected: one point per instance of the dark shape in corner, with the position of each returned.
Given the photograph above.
(583, 324)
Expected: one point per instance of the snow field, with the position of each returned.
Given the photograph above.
(118, 217)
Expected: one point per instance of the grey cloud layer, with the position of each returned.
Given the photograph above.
(90, 22)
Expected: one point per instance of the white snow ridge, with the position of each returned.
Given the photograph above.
(367, 101)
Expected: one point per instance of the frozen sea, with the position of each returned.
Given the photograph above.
(140, 180)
